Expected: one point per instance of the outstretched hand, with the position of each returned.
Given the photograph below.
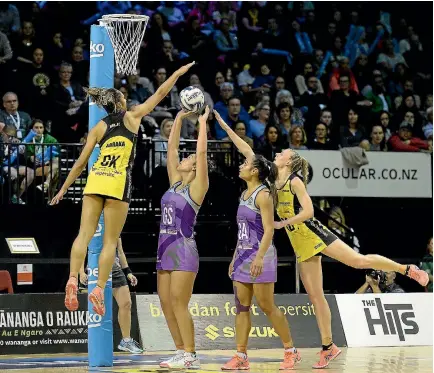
(184, 114)
(204, 116)
(182, 70)
(222, 123)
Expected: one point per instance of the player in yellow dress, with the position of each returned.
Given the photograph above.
(310, 239)
(108, 187)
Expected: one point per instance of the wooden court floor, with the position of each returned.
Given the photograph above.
(352, 360)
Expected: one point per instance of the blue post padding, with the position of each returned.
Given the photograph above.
(100, 329)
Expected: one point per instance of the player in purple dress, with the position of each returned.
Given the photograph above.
(253, 269)
(177, 257)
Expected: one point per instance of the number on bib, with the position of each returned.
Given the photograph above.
(243, 231)
(168, 215)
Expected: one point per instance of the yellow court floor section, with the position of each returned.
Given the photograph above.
(352, 360)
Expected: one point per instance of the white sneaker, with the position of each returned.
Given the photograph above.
(188, 361)
(130, 345)
(178, 356)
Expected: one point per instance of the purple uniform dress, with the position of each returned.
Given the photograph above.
(250, 232)
(177, 249)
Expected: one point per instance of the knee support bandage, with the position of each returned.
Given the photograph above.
(239, 307)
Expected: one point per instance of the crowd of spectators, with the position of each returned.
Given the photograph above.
(278, 72)
(282, 74)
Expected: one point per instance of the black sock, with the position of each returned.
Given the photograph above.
(406, 271)
(328, 347)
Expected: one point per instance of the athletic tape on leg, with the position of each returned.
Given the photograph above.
(239, 307)
(100, 329)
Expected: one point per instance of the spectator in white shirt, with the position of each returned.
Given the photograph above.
(389, 59)
(11, 117)
(405, 45)
(5, 49)
(173, 14)
(161, 143)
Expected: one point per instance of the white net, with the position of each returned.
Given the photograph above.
(126, 33)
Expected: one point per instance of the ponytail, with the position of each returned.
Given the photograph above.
(267, 174)
(304, 171)
(299, 164)
(108, 99)
(271, 180)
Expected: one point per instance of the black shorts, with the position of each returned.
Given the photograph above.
(127, 199)
(118, 279)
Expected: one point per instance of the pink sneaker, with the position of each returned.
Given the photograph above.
(96, 297)
(418, 275)
(71, 289)
(290, 360)
(327, 356)
(237, 363)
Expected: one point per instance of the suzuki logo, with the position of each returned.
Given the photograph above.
(393, 318)
(212, 332)
(96, 50)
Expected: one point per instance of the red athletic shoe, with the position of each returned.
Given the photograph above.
(290, 360)
(71, 289)
(418, 275)
(96, 297)
(327, 356)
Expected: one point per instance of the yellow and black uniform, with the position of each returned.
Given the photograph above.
(308, 238)
(110, 175)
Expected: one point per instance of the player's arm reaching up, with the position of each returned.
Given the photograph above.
(200, 184)
(173, 146)
(140, 111)
(241, 145)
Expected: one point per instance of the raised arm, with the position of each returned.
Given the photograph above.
(200, 184)
(81, 162)
(241, 145)
(140, 111)
(172, 148)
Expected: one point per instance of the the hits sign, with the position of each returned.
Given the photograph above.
(386, 319)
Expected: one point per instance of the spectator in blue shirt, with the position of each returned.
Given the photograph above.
(9, 19)
(226, 92)
(264, 78)
(257, 126)
(232, 114)
(224, 40)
